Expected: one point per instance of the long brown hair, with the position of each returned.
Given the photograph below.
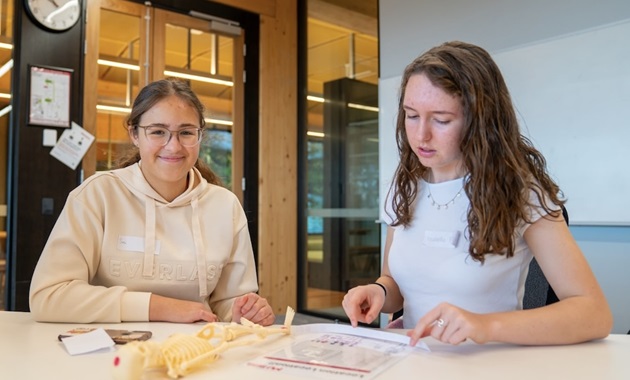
(146, 99)
(502, 164)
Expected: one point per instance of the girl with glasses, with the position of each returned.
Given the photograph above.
(158, 239)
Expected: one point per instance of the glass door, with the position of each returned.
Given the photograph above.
(123, 38)
(210, 56)
(138, 44)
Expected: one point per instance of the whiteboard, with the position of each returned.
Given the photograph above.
(572, 95)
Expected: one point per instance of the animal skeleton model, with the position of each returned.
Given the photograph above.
(180, 354)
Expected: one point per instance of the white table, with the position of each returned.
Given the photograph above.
(30, 350)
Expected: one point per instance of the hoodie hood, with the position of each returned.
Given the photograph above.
(134, 180)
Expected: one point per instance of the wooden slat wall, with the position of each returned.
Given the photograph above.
(277, 237)
(277, 232)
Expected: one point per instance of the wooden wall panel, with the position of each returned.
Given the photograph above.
(278, 157)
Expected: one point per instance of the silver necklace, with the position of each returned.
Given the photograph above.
(445, 205)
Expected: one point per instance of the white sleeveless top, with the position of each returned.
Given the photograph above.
(429, 260)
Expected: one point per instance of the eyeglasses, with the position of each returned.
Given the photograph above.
(161, 136)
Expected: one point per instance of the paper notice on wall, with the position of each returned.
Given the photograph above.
(72, 146)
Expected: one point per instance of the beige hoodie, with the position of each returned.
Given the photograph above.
(95, 268)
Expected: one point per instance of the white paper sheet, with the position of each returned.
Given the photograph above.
(72, 146)
(93, 341)
(333, 351)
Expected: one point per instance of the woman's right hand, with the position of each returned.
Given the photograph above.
(363, 303)
(166, 309)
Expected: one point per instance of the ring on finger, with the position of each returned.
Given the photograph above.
(440, 322)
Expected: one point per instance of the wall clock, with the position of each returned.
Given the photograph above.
(54, 15)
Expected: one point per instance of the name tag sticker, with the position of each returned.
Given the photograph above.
(135, 244)
(442, 239)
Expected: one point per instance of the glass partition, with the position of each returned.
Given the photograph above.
(341, 240)
(343, 237)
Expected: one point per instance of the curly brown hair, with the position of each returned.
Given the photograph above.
(150, 95)
(503, 166)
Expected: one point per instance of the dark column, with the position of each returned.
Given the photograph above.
(37, 184)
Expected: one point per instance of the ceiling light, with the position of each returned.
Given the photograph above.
(198, 78)
(313, 98)
(315, 134)
(6, 67)
(319, 99)
(218, 121)
(124, 110)
(362, 107)
(115, 62)
(120, 65)
(5, 110)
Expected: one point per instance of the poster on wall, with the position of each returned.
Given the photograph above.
(72, 146)
(49, 97)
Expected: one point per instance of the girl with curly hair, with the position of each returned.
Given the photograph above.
(471, 204)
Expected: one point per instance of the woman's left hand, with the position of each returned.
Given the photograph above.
(254, 308)
(451, 324)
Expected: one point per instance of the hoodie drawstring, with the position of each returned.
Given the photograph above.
(149, 238)
(199, 249)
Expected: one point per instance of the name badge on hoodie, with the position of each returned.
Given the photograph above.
(135, 244)
(442, 239)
